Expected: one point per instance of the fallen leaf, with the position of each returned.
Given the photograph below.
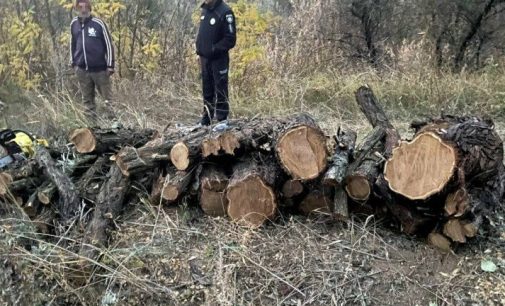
(488, 266)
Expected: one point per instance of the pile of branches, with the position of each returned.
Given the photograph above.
(441, 184)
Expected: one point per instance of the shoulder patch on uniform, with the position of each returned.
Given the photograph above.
(229, 18)
(221, 10)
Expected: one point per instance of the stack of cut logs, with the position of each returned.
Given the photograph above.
(441, 184)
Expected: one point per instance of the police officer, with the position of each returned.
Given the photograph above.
(216, 36)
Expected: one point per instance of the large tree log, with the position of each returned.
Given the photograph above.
(243, 135)
(422, 167)
(109, 205)
(131, 160)
(69, 200)
(187, 149)
(213, 203)
(301, 148)
(94, 140)
(213, 199)
(451, 173)
(463, 149)
(251, 192)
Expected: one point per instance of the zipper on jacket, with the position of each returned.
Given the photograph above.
(84, 46)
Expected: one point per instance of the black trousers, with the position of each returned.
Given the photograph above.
(215, 87)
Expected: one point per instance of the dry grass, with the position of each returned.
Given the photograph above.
(175, 256)
(327, 94)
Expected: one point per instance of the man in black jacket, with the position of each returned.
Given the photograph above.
(92, 57)
(216, 36)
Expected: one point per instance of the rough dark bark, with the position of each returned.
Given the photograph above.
(44, 221)
(336, 173)
(363, 171)
(22, 176)
(242, 136)
(108, 208)
(375, 114)
(99, 141)
(132, 161)
(69, 200)
(410, 220)
(345, 144)
(157, 188)
(213, 178)
(89, 183)
(23, 170)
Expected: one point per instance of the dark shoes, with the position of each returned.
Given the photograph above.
(205, 121)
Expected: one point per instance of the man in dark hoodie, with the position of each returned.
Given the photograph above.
(92, 57)
(216, 36)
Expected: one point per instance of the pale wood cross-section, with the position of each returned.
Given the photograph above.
(302, 152)
(420, 168)
(84, 140)
(250, 201)
(180, 156)
(5, 181)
